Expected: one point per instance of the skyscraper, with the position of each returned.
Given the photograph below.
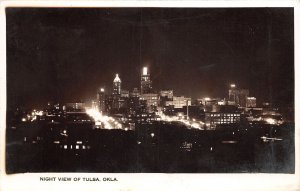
(117, 85)
(146, 84)
(101, 99)
(238, 96)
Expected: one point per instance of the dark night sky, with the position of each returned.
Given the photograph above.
(66, 54)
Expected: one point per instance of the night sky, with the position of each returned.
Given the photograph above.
(64, 55)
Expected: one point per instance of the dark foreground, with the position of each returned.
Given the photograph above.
(161, 148)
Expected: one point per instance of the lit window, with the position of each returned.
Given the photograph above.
(65, 146)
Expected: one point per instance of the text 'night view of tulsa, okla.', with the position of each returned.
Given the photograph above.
(152, 129)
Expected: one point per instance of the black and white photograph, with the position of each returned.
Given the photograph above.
(150, 90)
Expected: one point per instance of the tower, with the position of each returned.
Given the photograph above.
(101, 99)
(146, 84)
(117, 85)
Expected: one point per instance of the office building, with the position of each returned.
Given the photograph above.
(238, 96)
(135, 93)
(101, 99)
(179, 101)
(146, 84)
(166, 93)
(124, 93)
(226, 114)
(117, 85)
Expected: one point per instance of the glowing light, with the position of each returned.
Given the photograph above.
(207, 99)
(117, 78)
(196, 125)
(152, 134)
(145, 71)
(189, 123)
(107, 122)
(229, 142)
(101, 89)
(267, 139)
(270, 121)
(40, 113)
(23, 119)
(232, 85)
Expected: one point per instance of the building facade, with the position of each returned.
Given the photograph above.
(179, 102)
(212, 119)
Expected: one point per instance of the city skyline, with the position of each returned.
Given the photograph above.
(150, 90)
(195, 52)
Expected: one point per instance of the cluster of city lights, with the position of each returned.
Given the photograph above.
(107, 122)
(189, 123)
(268, 120)
(32, 116)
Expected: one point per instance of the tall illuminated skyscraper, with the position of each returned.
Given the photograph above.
(146, 84)
(117, 85)
(101, 99)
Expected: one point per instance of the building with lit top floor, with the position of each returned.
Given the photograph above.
(146, 84)
(117, 85)
(101, 99)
